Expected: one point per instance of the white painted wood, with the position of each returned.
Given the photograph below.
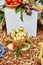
(2, 2)
(13, 21)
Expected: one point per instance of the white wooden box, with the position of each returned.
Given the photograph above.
(13, 21)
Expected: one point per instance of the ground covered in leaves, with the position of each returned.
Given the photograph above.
(25, 58)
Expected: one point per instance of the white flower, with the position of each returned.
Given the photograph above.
(25, 1)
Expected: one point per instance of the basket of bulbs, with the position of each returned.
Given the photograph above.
(18, 36)
(12, 3)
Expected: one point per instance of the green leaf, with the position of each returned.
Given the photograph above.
(41, 1)
(18, 52)
(6, 40)
(33, 2)
(27, 45)
(42, 14)
(21, 9)
(29, 40)
(24, 45)
(3, 6)
(1, 15)
(17, 9)
(0, 21)
(21, 17)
